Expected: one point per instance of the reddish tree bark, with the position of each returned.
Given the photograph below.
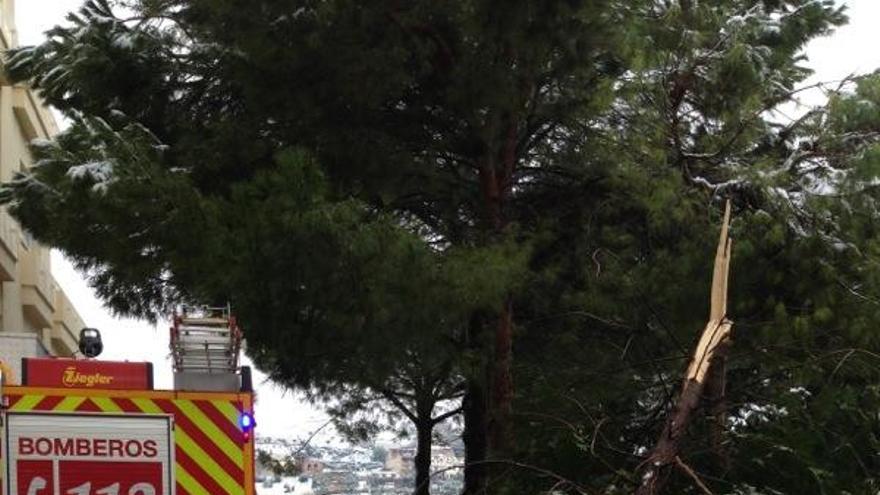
(488, 412)
(496, 173)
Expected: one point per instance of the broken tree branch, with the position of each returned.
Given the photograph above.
(714, 339)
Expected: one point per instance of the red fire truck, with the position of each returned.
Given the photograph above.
(89, 427)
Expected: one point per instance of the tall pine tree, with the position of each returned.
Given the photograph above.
(488, 170)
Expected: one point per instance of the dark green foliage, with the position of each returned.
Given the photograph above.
(325, 167)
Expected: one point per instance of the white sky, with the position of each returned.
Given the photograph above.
(852, 49)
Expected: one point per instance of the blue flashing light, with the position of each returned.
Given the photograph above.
(246, 422)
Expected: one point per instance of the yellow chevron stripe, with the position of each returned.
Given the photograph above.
(199, 456)
(105, 404)
(188, 482)
(69, 404)
(27, 402)
(228, 410)
(147, 406)
(211, 430)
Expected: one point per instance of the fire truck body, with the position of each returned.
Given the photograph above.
(211, 454)
(90, 427)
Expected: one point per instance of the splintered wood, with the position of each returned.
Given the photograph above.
(718, 328)
(708, 354)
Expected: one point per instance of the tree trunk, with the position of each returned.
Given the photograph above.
(500, 428)
(489, 407)
(475, 409)
(424, 429)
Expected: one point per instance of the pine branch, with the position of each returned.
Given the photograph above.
(390, 395)
(443, 417)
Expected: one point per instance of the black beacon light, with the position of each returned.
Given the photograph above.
(90, 344)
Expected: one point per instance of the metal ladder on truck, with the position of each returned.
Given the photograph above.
(205, 340)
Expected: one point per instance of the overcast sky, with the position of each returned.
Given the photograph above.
(852, 49)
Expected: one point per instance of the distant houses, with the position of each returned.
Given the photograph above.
(444, 462)
(355, 470)
(309, 466)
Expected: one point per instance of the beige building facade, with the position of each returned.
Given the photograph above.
(36, 317)
(401, 460)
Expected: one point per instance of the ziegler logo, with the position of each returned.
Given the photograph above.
(73, 378)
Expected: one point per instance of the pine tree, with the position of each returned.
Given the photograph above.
(419, 398)
(482, 170)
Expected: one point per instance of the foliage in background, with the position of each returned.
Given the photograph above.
(318, 164)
